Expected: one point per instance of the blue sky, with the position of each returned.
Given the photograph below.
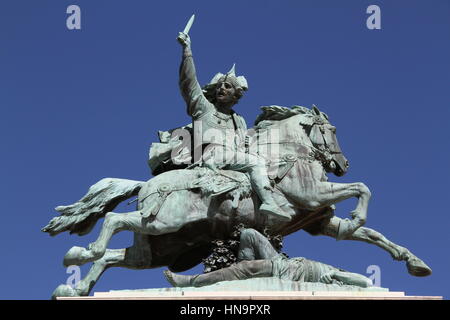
(79, 106)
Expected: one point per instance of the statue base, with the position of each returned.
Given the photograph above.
(257, 289)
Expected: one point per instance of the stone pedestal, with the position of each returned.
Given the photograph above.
(257, 289)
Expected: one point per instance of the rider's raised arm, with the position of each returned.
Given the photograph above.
(196, 102)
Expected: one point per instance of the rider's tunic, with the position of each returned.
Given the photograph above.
(221, 136)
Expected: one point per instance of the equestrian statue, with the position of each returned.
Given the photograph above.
(215, 174)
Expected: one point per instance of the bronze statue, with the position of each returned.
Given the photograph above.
(182, 209)
(257, 258)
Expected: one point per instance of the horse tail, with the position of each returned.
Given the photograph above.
(101, 198)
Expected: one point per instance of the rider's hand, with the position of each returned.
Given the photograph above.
(184, 39)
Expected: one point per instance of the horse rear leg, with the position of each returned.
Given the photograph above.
(111, 258)
(416, 266)
(137, 257)
(114, 223)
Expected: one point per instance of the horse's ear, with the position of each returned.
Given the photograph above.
(321, 114)
(316, 110)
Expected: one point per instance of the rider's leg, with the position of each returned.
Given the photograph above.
(254, 246)
(240, 271)
(261, 184)
(256, 167)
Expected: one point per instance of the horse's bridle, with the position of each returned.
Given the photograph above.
(325, 155)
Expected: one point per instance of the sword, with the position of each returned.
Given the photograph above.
(189, 24)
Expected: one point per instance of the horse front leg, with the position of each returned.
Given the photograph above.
(415, 266)
(325, 194)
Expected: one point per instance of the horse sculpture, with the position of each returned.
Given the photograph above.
(179, 212)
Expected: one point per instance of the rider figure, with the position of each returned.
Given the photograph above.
(219, 131)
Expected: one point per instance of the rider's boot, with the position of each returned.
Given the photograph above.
(261, 184)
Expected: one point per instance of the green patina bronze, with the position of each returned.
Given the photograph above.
(215, 174)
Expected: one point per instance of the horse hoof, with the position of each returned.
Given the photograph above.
(418, 268)
(74, 257)
(64, 290)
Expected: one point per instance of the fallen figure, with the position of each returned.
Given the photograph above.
(257, 258)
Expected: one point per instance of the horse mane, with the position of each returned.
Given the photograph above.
(277, 113)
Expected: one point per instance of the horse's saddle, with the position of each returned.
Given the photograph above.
(208, 182)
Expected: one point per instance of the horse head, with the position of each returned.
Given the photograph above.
(323, 137)
(308, 127)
